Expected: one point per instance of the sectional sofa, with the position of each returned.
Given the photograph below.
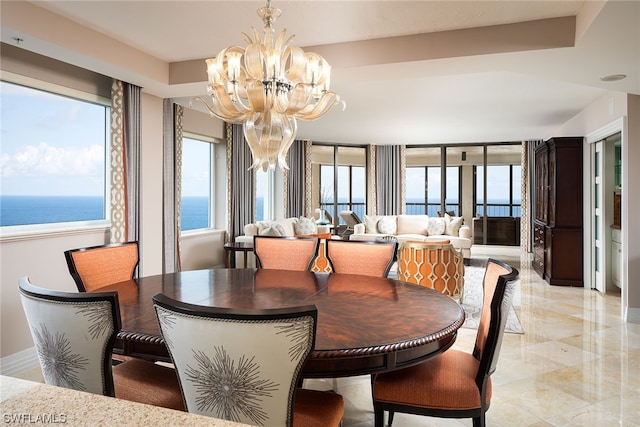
(417, 228)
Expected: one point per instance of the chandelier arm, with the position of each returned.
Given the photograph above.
(297, 63)
(324, 104)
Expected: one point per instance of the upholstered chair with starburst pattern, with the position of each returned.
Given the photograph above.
(74, 335)
(245, 365)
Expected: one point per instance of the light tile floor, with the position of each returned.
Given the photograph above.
(578, 363)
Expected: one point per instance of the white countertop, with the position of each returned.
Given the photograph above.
(27, 402)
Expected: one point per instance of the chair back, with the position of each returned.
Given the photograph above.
(285, 253)
(238, 365)
(498, 288)
(361, 257)
(74, 335)
(437, 265)
(98, 266)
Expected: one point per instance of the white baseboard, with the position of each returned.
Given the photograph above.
(632, 315)
(19, 362)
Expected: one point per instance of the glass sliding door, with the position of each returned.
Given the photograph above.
(339, 179)
(424, 181)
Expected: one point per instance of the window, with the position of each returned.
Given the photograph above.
(503, 191)
(197, 184)
(53, 155)
(347, 190)
(264, 195)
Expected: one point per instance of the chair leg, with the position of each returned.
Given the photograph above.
(391, 414)
(480, 421)
(378, 416)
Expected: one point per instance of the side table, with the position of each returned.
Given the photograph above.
(233, 247)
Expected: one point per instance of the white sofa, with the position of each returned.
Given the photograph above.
(417, 228)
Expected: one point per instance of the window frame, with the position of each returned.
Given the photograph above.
(12, 232)
(212, 190)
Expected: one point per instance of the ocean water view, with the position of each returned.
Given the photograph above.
(26, 210)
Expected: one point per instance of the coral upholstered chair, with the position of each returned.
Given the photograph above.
(245, 365)
(74, 334)
(455, 384)
(360, 257)
(437, 265)
(98, 266)
(285, 253)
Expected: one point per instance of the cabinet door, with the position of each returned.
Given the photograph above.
(541, 185)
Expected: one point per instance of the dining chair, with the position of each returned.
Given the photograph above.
(98, 266)
(244, 365)
(285, 252)
(367, 258)
(74, 334)
(455, 384)
(436, 265)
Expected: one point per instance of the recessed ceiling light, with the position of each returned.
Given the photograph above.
(613, 77)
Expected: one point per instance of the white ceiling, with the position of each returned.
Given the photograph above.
(481, 98)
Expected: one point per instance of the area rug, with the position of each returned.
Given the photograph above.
(472, 299)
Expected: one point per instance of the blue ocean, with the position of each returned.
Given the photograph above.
(25, 210)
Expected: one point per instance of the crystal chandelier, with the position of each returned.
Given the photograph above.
(266, 87)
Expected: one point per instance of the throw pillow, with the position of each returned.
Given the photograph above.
(388, 225)
(413, 224)
(453, 225)
(437, 226)
(371, 223)
(305, 226)
(270, 229)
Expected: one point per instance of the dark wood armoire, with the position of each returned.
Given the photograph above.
(558, 222)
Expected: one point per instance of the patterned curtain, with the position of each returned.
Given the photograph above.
(527, 200)
(372, 195)
(294, 180)
(125, 162)
(389, 178)
(172, 159)
(308, 176)
(241, 188)
(118, 179)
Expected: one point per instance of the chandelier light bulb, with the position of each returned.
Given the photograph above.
(266, 87)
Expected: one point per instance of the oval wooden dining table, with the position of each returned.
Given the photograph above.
(365, 324)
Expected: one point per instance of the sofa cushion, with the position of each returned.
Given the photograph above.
(270, 229)
(387, 224)
(305, 226)
(371, 223)
(453, 225)
(413, 224)
(251, 230)
(436, 226)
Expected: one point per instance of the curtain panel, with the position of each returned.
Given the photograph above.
(241, 189)
(295, 180)
(389, 179)
(125, 162)
(172, 166)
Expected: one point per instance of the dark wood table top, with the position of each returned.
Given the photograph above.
(365, 324)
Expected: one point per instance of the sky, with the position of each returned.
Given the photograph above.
(50, 145)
